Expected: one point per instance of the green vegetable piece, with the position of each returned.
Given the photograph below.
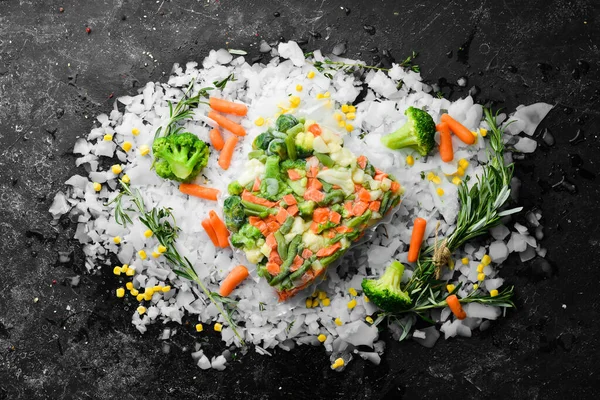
(306, 208)
(385, 292)
(286, 227)
(281, 244)
(418, 133)
(257, 209)
(246, 237)
(302, 269)
(179, 157)
(333, 197)
(291, 147)
(260, 155)
(262, 141)
(278, 147)
(326, 261)
(234, 188)
(292, 251)
(284, 122)
(325, 160)
(294, 130)
(299, 186)
(370, 170)
(357, 221)
(304, 144)
(234, 213)
(326, 186)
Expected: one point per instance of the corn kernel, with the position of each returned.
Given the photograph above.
(352, 304)
(315, 303)
(130, 272)
(142, 254)
(144, 150)
(124, 268)
(155, 254)
(322, 338)
(369, 319)
(117, 271)
(350, 115)
(437, 180)
(326, 95)
(352, 291)
(341, 124)
(116, 169)
(494, 292)
(345, 108)
(349, 127)
(218, 327)
(320, 96)
(139, 297)
(162, 249)
(310, 75)
(366, 299)
(480, 268)
(135, 131)
(141, 310)
(308, 303)
(339, 362)
(410, 160)
(108, 138)
(134, 292)
(148, 295)
(199, 328)
(322, 295)
(481, 277)
(337, 117)
(460, 171)
(326, 302)
(352, 109)
(450, 288)
(463, 163)
(483, 132)
(97, 187)
(299, 88)
(456, 180)
(475, 286)
(165, 289)
(486, 260)
(260, 121)
(440, 191)
(126, 146)
(117, 240)
(125, 178)
(338, 322)
(120, 292)
(294, 101)
(148, 233)
(129, 285)
(465, 260)
(430, 176)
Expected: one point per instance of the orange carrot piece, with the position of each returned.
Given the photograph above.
(456, 307)
(216, 139)
(306, 253)
(289, 199)
(294, 175)
(254, 221)
(226, 123)
(327, 251)
(281, 215)
(362, 162)
(416, 239)
(293, 210)
(374, 206)
(364, 195)
(313, 194)
(321, 215)
(314, 227)
(220, 228)
(335, 217)
(314, 183)
(227, 152)
(271, 241)
(191, 189)
(210, 232)
(227, 107)
(256, 185)
(380, 176)
(273, 226)
(274, 257)
(273, 268)
(343, 229)
(359, 208)
(296, 263)
(246, 195)
(395, 187)
(446, 151)
(330, 234)
(233, 279)
(315, 129)
(458, 129)
(313, 172)
(348, 207)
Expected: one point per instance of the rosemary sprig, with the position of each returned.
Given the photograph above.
(348, 68)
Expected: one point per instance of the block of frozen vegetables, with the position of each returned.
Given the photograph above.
(302, 202)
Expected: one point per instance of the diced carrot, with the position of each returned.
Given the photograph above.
(314, 227)
(314, 183)
(381, 176)
(313, 194)
(274, 257)
(362, 162)
(271, 241)
(315, 129)
(254, 221)
(273, 226)
(293, 174)
(264, 229)
(335, 217)
(348, 207)
(273, 268)
(281, 215)
(321, 215)
(357, 187)
(364, 195)
(312, 173)
(330, 234)
(227, 107)
(296, 263)
(256, 186)
(306, 253)
(359, 208)
(375, 205)
(336, 187)
(270, 218)
(289, 199)
(327, 251)
(343, 229)
(257, 200)
(395, 187)
(293, 210)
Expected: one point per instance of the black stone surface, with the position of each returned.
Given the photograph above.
(77, 342)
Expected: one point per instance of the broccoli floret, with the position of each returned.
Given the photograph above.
(304, 144)
(262, 141)
(297, 165)
(179, 157)
(306, 208)
(417, 133)
(247, 237)
(234, 188)
(385, 292)
(285, 122)
(278, 148)
(234, 213)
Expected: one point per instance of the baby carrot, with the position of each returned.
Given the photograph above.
(233, 279)
(203, 192)
(220, 229)
(226, 123)
(210, 232)
(227, 152)
(446, 151)
(416, 239)
(216, 139)
(455, 307)
(227, 107)
(458, 129)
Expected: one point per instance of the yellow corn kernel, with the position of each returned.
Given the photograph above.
(352, 304)
(126, 146)
(116, 169)
(129, 285)
(144, 150)
(117, 271)
(475, 286)
(142, 254)
(352, 291)
(155, 254)
(437, 180)
(349, 127)
(310, 75)
(450, 287)
(440, 191)
(124, 268)
(320, 96)
(366, 298)
(480, 268)
(299, 88)
(460, 171)
(463, 163)
(410, 160)
(260, 121)
(148, 295)
(308, 303)
(135, 131)
(430, 176)
(165, 289)
(326, 95)
(120, 292)
(337, 117)
(97, 187)
(130, 272)
(315, 303)
(148, 233)
(218, 327)
(322, 338)
(322, 295)
(456, 180)
(294, 101)
(480, 276)
(351, 115)
(141, 310)
(162, 249)
(108, 138)
(369, 319)
(117, 239)
(465, 260)
(139, 297)
(199, 328)
(494, 292)
(125, 178)
(338, 322)
(345, 108)
(483, 132)
(341, 124)
(134, 292)
(486, 260)
(351, 109)
(339, 362)
(326, 302)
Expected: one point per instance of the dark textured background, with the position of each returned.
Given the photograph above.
(77, 342)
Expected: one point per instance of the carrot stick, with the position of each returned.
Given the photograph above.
(226, 123)
(446, 151)
(456, 307)
(210, 231)
(220, 228)
(227, 107)
(416, 239)
(458, 129)
(227, 152)
(203, 192)
(233, 279)
(216, 139)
